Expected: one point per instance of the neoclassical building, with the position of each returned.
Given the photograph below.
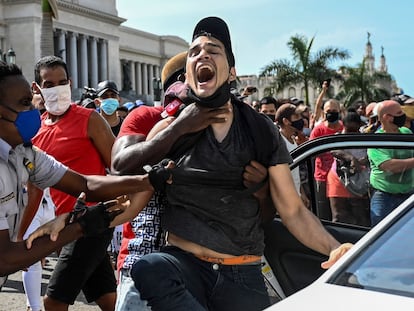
(89, 36)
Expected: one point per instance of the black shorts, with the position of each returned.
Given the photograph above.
(83, 265)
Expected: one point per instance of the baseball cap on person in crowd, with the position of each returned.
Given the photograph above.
(131, 105)
(216, 28)
(404, 99)
(296, 101)
(173, 70)
(269, 100)
(105, 86)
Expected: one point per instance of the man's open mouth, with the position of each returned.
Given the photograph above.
(204, 74)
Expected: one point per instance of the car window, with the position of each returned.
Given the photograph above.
(337, 185)
(387, 265)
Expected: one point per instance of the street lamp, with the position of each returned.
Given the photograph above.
(11, 56)
(157, 89)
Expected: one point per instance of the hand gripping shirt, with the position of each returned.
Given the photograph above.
(143, 235)
(207, 202)
(17, 167)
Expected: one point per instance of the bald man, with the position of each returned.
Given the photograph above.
(330, 125)
(392, 170)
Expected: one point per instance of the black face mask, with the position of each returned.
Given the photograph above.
(332, 117)
(271, 116)
(218, 99)
(298, 124)
(399, 120)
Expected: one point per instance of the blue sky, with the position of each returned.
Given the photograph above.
(260, 29)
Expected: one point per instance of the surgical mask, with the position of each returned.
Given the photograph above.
(271, 116)
(57, 99)
(332, 117)
(298, 124)
(306, 131)
(220, 97)
(399, 120)
(27, 123)
(109, 105)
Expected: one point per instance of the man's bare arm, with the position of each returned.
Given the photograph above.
(15, 256)
(304, 225)
(130, 153)
(397, 165)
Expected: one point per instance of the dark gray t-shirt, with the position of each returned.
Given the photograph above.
(211, 171)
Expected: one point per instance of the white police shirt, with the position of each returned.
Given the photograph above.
(17, 167)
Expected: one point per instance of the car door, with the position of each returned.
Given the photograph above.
(293, 264)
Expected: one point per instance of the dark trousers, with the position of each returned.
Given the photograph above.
(176, 280)
(322, 201)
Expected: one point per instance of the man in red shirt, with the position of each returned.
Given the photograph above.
(81, 139)
(330, 125)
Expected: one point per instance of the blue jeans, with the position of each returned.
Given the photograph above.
(176, 280)
(127, 296)
(383, 203)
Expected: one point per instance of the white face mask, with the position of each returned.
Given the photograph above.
(57, 99)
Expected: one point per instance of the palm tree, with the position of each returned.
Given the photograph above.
(360, 84)
(49, 11)
(311, 69)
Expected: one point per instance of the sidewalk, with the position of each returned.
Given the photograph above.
(12, 297)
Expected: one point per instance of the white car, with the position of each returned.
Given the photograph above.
(376, 274)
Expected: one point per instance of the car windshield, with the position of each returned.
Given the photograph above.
(387, 265)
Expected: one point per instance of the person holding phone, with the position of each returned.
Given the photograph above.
(318, 112)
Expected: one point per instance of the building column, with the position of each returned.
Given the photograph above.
(132, 70)
(73, 56)
(157, 72)
(62, 44)
(150, 80)
(145, 79)
(83, 61)
(138, 78)
(94, 62)
(103, 60)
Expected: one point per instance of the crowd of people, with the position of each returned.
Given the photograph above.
(382, 169)
(184, 185)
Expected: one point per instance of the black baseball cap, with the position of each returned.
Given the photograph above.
(216, 28)
(268, 100)
(105, 86)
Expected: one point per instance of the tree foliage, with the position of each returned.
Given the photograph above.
(360, 84)
(306, 67)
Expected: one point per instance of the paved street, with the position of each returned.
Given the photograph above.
(12, 297)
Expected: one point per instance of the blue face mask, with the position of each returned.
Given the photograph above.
(109, 105)
(306, 131)
(27, 123)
